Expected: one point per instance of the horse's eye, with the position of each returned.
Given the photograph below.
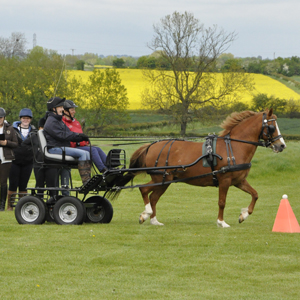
(272, 129)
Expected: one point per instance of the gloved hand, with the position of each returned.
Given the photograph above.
(83, 136)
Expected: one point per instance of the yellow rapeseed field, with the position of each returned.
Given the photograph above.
(134, 82)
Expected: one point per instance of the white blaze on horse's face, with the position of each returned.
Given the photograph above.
(278, 145)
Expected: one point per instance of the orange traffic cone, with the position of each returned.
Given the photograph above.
(285, 219)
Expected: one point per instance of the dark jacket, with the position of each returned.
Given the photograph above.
(12, 141)
(57, 134)
(23, 153)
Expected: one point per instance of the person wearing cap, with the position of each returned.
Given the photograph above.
(59, 136)
(8, 141)
(21, 167)
(97, 154)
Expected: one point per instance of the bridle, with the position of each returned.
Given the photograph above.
(270, 128)
(270, 131)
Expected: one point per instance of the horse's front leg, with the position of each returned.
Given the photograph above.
(223, 189)
(246, 187)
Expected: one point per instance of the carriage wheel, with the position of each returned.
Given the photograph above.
(68, 211)
(101, 212)
(30, 210)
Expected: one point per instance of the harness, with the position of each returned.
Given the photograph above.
(210, 156)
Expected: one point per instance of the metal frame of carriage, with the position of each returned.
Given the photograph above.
(38, 205)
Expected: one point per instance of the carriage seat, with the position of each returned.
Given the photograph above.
(49, 157)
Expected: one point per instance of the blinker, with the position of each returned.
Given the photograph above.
(271, 129)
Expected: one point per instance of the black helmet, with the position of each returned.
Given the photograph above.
(69, 104)
(2, 112)
(25, 112)
(55, 102)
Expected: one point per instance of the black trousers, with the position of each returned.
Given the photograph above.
(4, 173)
(19, 176)
(45, 177)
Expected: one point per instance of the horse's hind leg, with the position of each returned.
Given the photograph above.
(145, 190)
(154, 197)
(150, 205)
(246, 187)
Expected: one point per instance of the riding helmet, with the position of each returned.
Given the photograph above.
(2, 112)
(55, 102)
(25, 112)
(69, 104)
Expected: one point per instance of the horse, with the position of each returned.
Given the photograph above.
(178, 160)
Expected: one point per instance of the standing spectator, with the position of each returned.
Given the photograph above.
(21, 167)
(97, 154)
(59, 136)
(8, 141)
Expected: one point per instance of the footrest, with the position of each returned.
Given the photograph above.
(91, 185)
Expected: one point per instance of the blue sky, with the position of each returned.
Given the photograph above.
(268, 28)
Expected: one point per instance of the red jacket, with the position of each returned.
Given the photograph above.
(75, 127)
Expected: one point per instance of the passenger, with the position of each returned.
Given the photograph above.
(21, 167)
(59, 136)
(44, 176)
(97, 154)
(8, 141)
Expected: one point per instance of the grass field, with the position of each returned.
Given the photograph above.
(135, 83)
(188, 258)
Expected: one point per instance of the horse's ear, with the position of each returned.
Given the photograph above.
(270, 112)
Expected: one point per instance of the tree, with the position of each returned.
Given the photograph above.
(80, 65)
(191, 52)
(105, 98)
(230, 64)
(13, 46)
(31, 81)
(262, 101)
(118, 63)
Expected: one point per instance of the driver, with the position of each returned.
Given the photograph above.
(59, 136)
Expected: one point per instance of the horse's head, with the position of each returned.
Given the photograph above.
(270, 132)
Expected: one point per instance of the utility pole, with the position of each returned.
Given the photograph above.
(34, 40)
(73, 51)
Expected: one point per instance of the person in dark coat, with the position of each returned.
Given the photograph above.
(44, 176)
(8, 141)
(59, 136)
(21, 167)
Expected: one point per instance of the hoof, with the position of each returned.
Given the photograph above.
(241, 218)
(141, 219)
(244, 215)
(154, 221)
(222, 224)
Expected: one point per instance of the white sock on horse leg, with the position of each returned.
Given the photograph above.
(153, 221)
(146, 213)
(244, 214)
(148, 209)
(222, 224)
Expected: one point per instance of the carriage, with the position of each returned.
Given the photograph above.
(166, 161)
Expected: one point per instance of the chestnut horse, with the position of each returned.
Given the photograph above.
(242, 133)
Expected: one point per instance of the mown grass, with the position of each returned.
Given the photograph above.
(188, 258)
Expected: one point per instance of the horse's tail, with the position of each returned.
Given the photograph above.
(137, 160)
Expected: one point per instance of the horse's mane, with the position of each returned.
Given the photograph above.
(234, 119)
